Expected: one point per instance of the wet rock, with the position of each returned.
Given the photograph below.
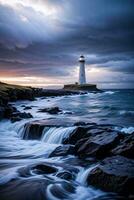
(9, 111)
(98, 146)
(65, 175)
(23, 115)
(15, 119)
(52, 110)
(114, 174)
(27, 108)
(126, 147)
(33, 131)
(63, 151)
(77, 134)
(95, 131)
(44, 169)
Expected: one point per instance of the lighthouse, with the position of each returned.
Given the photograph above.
(82, 76)
(81, 85)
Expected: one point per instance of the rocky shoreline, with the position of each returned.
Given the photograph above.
(12, 93)
(111, 151)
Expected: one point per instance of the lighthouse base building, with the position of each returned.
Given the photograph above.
(81, 85)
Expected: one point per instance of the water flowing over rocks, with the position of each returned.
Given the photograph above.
(46, 130)
(114, 174)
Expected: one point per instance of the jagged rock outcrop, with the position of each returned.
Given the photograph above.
(98, 146)
(114, 174)
(126, 147)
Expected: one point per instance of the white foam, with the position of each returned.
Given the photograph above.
(56, 135)
(83, 174)
(128, 130)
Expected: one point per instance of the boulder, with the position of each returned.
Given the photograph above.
(15, 119)
(98, 146)
(63, 151)
(52, 110)
(77, 134)
(126, 147)
(9, 111)
(33, 131)
(114, 174)
(44, 169)
(23, 115)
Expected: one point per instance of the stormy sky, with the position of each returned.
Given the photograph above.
(41, 41)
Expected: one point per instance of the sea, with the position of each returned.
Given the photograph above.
(19, 181)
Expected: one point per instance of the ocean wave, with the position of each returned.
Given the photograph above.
(126, 113)
(100, 94)
(109, 92)
(128, 130)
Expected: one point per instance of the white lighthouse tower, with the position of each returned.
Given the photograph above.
(82, 77)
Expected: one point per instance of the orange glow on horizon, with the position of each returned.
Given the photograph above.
(30, 81)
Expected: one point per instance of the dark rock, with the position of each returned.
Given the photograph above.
(23, 115)
(114, 174)
(33, 131)
(8, 111)
(24, 94)
(15, 119)
(44, 169)
(126, 147)
(95, 131)
(98, 146)
(53, 110)
(77, 134)
(56, 92)
(2, 112)
(65, 175)
(63, 151)
(27, 108)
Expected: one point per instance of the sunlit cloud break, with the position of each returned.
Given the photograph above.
(44, 38)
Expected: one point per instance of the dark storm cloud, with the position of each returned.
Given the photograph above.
(33, 43)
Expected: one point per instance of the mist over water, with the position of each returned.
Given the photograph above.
(18, 156)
